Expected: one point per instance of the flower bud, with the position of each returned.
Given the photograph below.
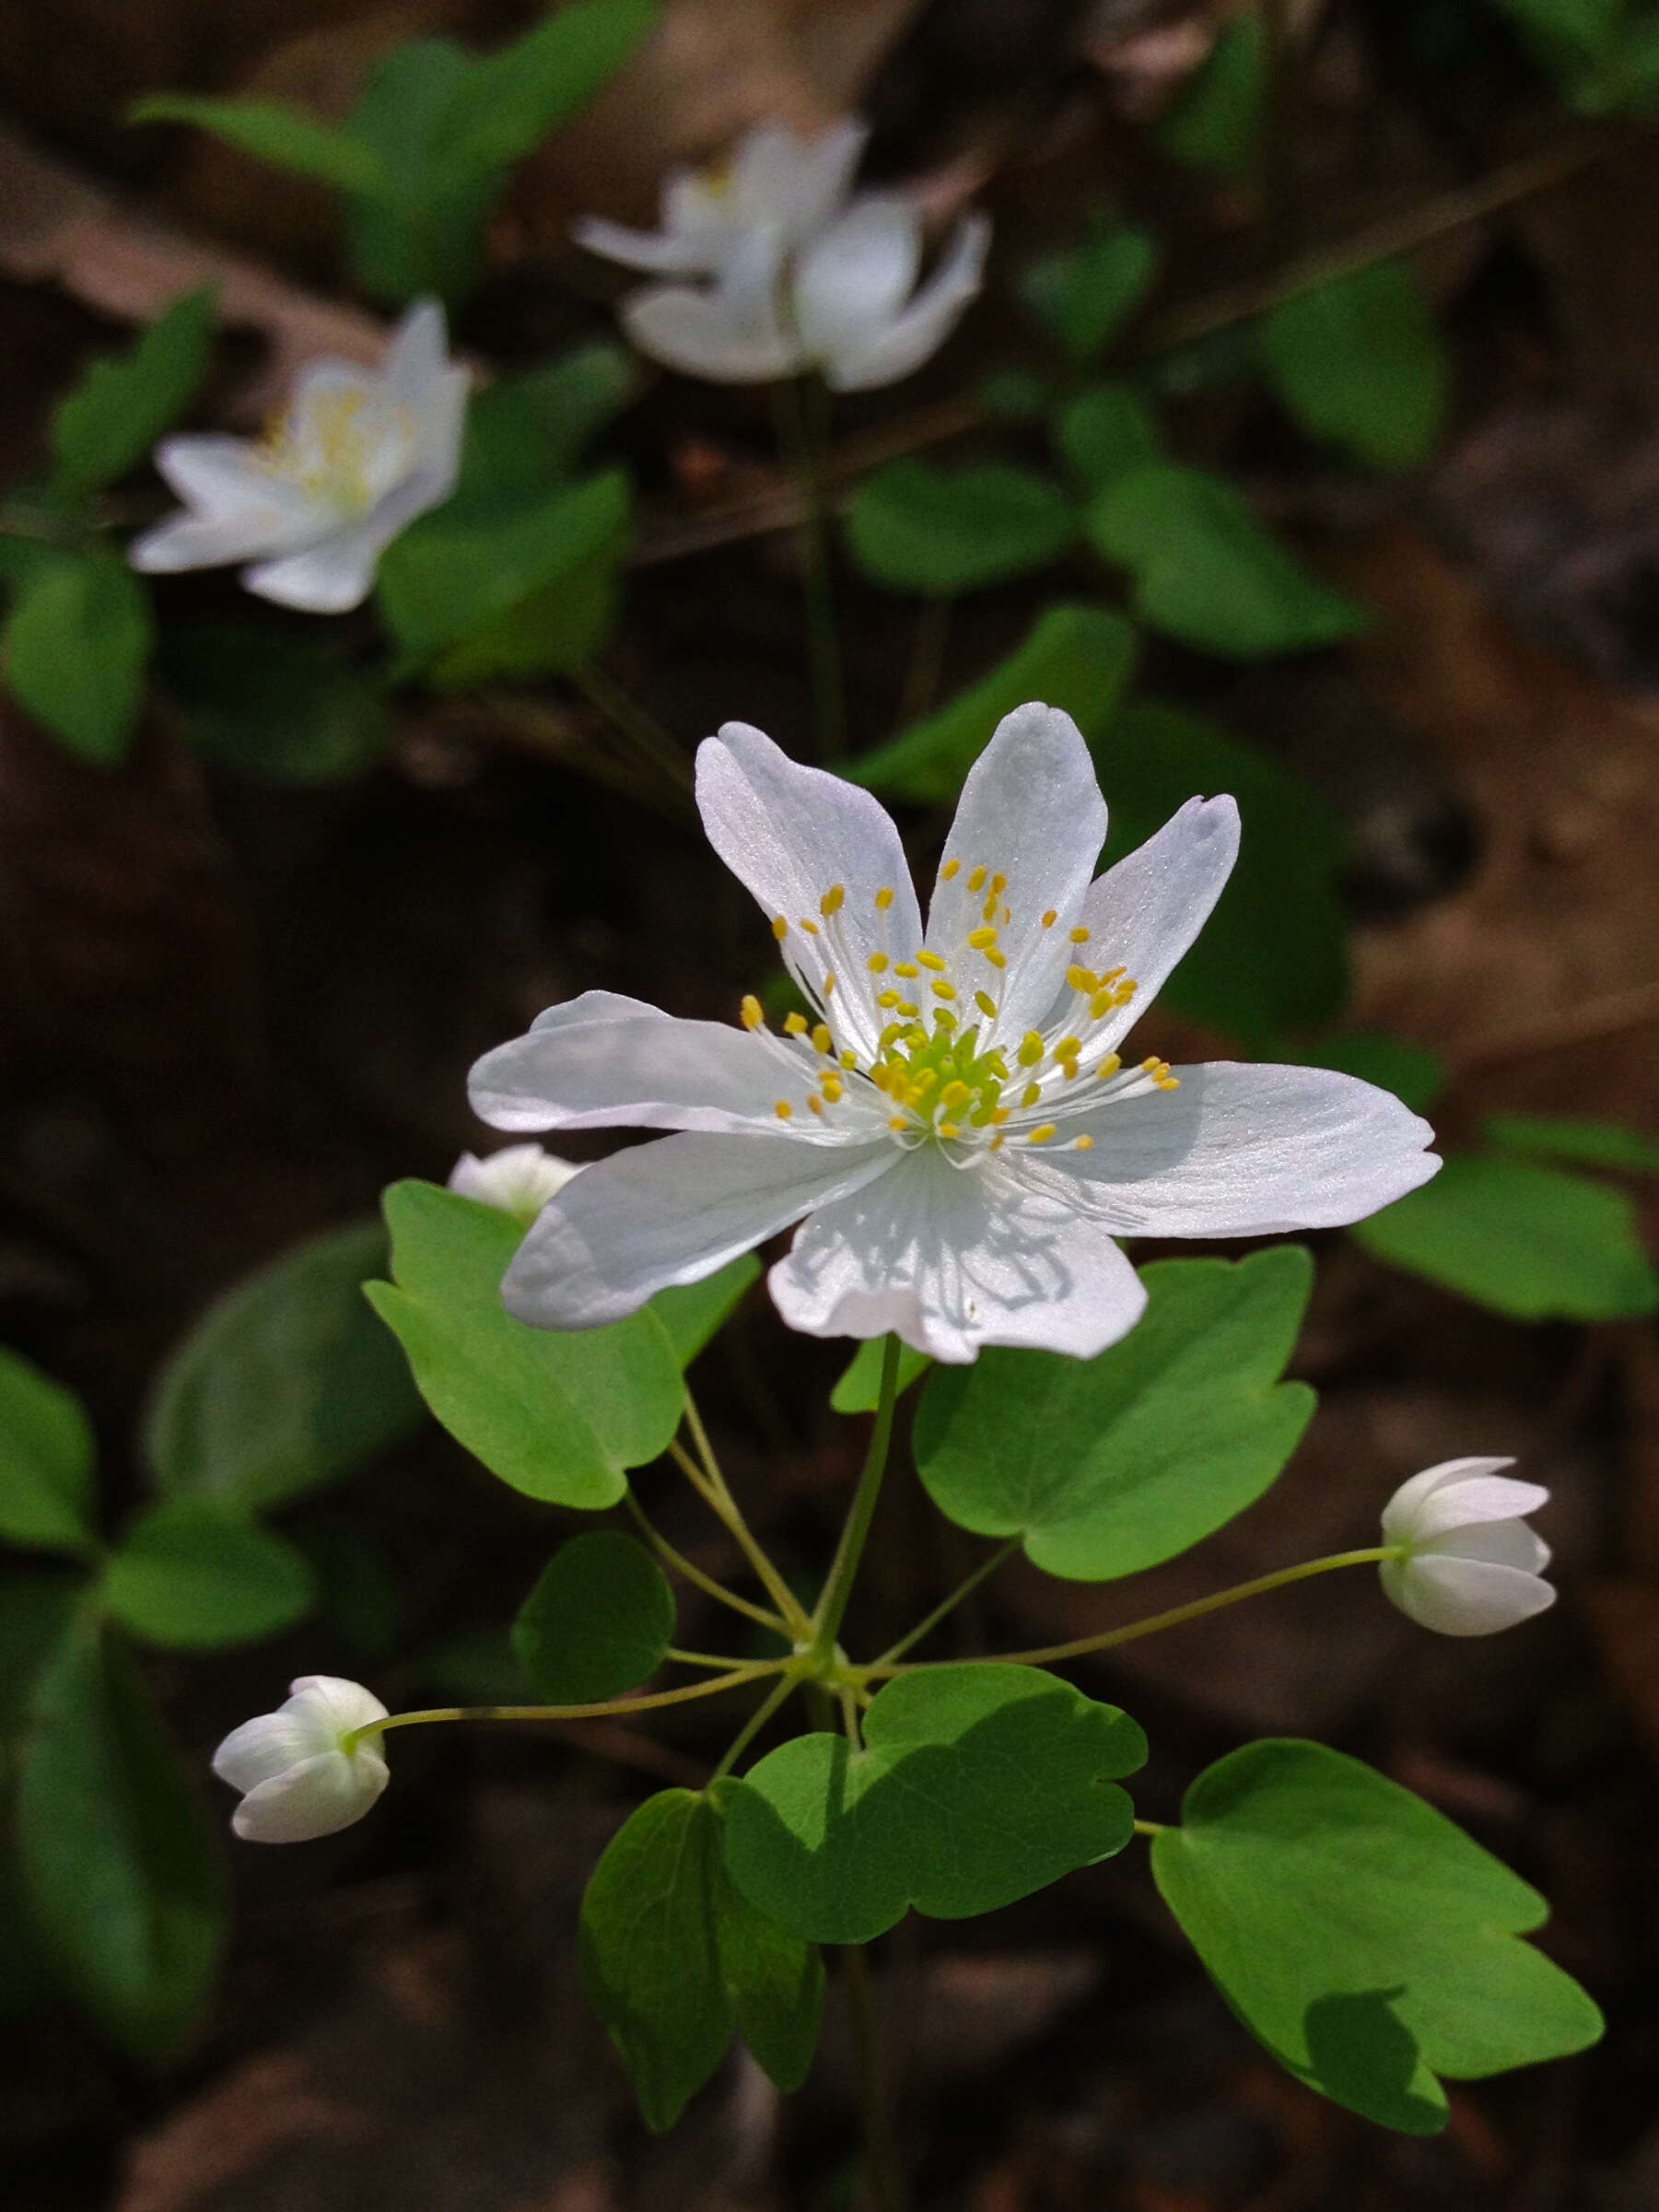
(519, 1179)
(297, 1778)
(1471, 1566)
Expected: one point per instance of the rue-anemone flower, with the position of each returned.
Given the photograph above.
(296, 1776)
(802, 273)
(953, 1117)
(349, 463)
(516, 1178)
(1472, 1565)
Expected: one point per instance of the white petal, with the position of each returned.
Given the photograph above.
(729, 332)
(225, 476)
(682, 250)
(518, 1179)
(204, 542)
(1458, 1494)
(952, 1261)
(851, 281)
(643, 1069)
(334, 1701)
(1465, 1597)
(417, 355)
(671, 1211)
(1143, 914)
(795, 183)
(1030, 812)
(267, 1746)
(318, 1797)
(1500, 1543)
(923, 327)
(790, 835)
(1241, 1151)
(337, 573)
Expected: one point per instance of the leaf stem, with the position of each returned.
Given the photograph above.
(750, 1672)
(964, 1588)
(716, 1661)
(799, 448)
(695, 1576)
(881, 2154)
(832, 1605)
(649, 740)
(756, 1722)
(710, 1485)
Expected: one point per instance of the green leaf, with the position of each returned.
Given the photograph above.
(1014, 395)
(1588, 1144)
(279, 704)
(282, 136)
(195, 1574)
(1358, 361)
(120, 1860)
(672, 1957)
(1368, 1943)
(975, 1784)
(916, 527)
(525, 432)
(860, 1388)
(1207, 572)
(695, 1312)
(75, 643)
(1083, 295)
(1106, 1466)
(524, 589)
(1216, 121)
(1273, 955)
(48, 1496)
(35, 1606)
(598, 1622)
(1104, 433)
(124, 402)
(1079, 658)
(1414, 1075)
(558, 1414)
(1526, 1240)
(512, 99)
(425, 231)
(285, 1384)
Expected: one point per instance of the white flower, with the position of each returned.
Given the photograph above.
(297, 1778)
(954, 1120)
(1472, 1565)
(518, 1178)
(351, 462)
(802, 274)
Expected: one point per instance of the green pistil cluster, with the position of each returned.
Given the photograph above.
(940, 1084)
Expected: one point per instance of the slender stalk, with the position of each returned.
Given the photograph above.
(1150, 1828)
(752, 1672)
(1080, 1646)
(717, 1662)
(801, 452)
(831, 1606)
(711, 1486)
(926, 661)
(649, 740)
(881, 2153)
(964, 1588)
(755, 1723)
(695, 1576)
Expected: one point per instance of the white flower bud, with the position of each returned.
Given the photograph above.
(297, 1779)
(519, 1179)
(1471, 1564)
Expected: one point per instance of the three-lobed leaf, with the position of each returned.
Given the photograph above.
(598, 1622)
(975, 1786)
(1083, 295)
(1368, 1943)
(326, 153)
(124, 402)
(916, 527)
(1358, 361)
(48, 1496)
(1106, 1466)
(75, 645)
(286, 1383)
(194, 1574)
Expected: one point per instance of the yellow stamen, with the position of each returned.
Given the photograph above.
(1081, 979)
(809, 926)
(933, 961)
(783, 1109)
(780, 929)
(998, 1142)
(1030, 1096)
(816, 1103)
(976, 881)
(949, 1129)
(1102, 1003)
(1082, 1145)
(979, 938)
(950, 869)
(884, 898)
(1068, 1047)
(1031, 1049)
(986, 1005)
(752, 1016)
(887, 999)
(1050, 918)
(1041, 1134)
(849, 1060)
(834, 900)
(794, 1024)
(955, 1094)
(876, 962)
(899, 1121)
(829, 981)
(1079, 936)
(998, 885)
(1109, 1066)
(833, 1088)
(822, 1039)
(907, 968)
(943, 991)
(996, 958)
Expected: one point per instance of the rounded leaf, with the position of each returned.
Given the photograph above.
(598, 1622)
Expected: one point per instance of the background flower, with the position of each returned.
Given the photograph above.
(297, 1779)
(1472, 1564)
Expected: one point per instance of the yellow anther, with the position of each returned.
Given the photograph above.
(942, 1018)
(1102, 1003)
(829, 982)
(833, 1088)
(996, 958)
(988, 912)
(1050, 918)
(1031, 1049)
(986, 1004)
(1041, 1134)
(822, 1039)
(752, 1016)
(780, 927)
(1078, 936)
(998, 885)
(876, 962)
(924, 1083)
(997, 1143)
(1169, 1082)
(887, 999)
(1082, 1145)
(979, 938)
(999, 1117)
(1154, 1066)
(884, 898)
(933, 961)
(794, 1024)
(849, 1060)
(809, 926)
(814, 1102)
(1068, 1047)
(1030, 1096)
(943, 991)
(976, 881)
(955, 1094)
(907, 968)
(950, 869)
(783, 1109)
(906, 1007)
(1079, 978)
(1111, 974)
(949, 1129)
(834, 900)
(899, 1121)
(1109, 1066)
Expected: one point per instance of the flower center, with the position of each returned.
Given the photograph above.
(342, 445)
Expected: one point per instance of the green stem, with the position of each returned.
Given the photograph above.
(711, 1486)
(606, 1708)
(756, 1722)
(800, 453)
(882, 2169)
(717, 1662)
(1080, 1646)
(831, 1606)
(695, 1576)
(964, 1589)
(1150, 1828)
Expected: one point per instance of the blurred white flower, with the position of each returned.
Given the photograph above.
(297, 1779)
(801, 275)
(350, 461)
(518, 1179)
(1471, 1566)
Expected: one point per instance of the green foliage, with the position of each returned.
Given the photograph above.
(1079, 658)
(559, 1415)
(858, 1389)
(1601, 54)
(48, 1499)
(1272, 956)
(284, 706)
(525, 433)
(426, 150)
(1207, 572)
(75, 645)
(1526, 1240)
(1106, 1466)
(1217, 120)
(124, 402)
(693, 1313)
(916, 527)
(1414, 1075)
(598, 1622)
(119, 1862)
(836, 1842)
(1083, 295)
(1105, 432)
(285, 1384)
(672, 1958)
(193, 1574)
(1587, 1143)
(1359, 362)
(1368, 1943)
